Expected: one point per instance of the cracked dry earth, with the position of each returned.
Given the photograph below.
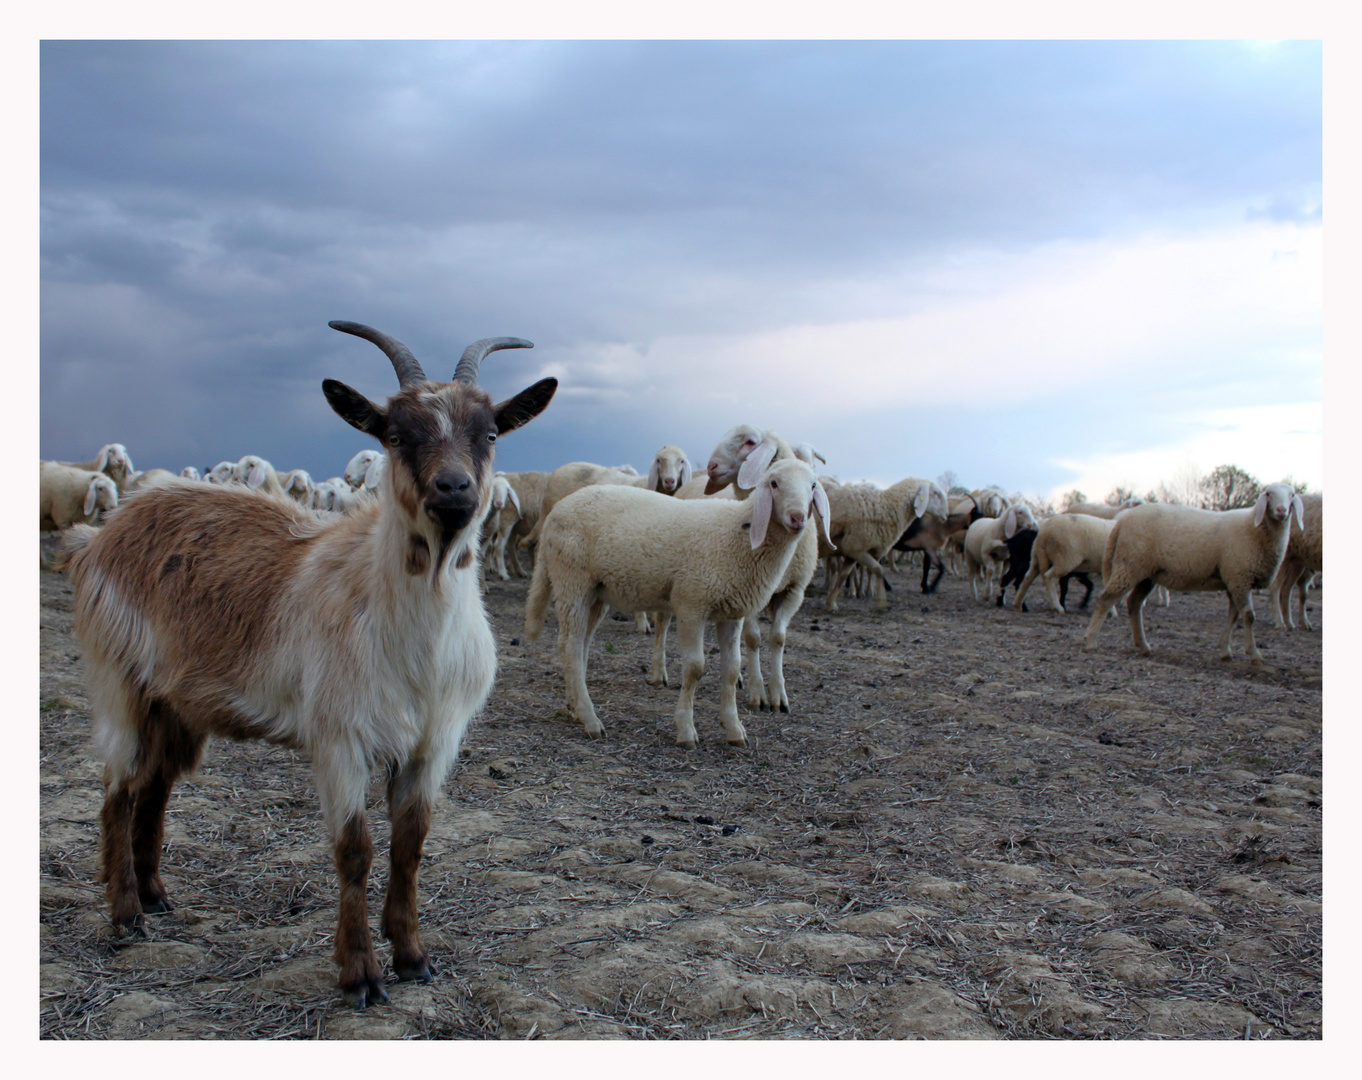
(964, 829)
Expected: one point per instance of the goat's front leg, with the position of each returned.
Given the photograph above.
(409, 812)
(341, 783)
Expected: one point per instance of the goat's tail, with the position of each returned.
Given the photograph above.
(72, 541)
(537, 605)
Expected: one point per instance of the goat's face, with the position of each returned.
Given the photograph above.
(440, 441)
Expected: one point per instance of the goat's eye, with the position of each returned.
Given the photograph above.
(491, 436)
(394, 440)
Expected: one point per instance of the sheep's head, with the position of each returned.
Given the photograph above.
(190, 473)
(224, 472)
(253, 470)
(102, 494)
(734, 448)
(440, 441)
(1276, 503)
(358, 467)
(113, 461)
(670, 469)
(1018, 517)
(788, 493)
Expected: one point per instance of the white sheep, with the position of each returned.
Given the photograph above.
(986, 545)
(868, 521)
(71, 496)
(1103, 510)
(298, 486)
(1304, 558)
(1192, 550)
(733, 470)
(113, 461)
(224, 472)
(358, 467)
(704, 560)
(505, 502)
(150, 478)
(1065, 544)
(529, 488)
(258, 474)
(190, 473)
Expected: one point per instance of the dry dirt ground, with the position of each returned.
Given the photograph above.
(965, 828)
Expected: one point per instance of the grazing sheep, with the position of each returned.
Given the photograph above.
(986, 546)
(704, 560)
(70, 496)
(1192, 550)
(361, 641)
(867, 522)
(1304, 558)
(113, 461)
(670, 469)
(1102, 510)
(1067, 545)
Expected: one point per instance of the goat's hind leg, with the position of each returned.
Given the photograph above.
(177, 751)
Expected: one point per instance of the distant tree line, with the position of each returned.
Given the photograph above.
(1226, 487)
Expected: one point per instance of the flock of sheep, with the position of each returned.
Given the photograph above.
(345, 618)
(610, 537)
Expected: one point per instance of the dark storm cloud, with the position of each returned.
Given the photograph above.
(208, 206)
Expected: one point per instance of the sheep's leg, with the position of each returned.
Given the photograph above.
(783, 609)
(1241, 606)
(512, 551)
(409, 812)
(658, 675)
(756, 685)
(576, 624)
(1031, 572)
(1304, 587)
(1135, 609)
(691, 634)
(642, 623)
(499, 546)
(843, 571)
(1112, 591)
(877, 579)
(728, 633)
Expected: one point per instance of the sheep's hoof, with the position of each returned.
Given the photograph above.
(784, 706)
(687, 744)
(738, 742)
(594, 733)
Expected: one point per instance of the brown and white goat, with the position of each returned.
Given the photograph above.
(361, 640)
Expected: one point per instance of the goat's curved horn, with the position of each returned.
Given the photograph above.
(408, 370)
(467, 371)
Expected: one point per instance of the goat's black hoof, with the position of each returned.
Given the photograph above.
(420, 971)
(365, 994)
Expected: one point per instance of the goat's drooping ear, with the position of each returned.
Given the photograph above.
(354, 408)
(762, 505)
(525, 406)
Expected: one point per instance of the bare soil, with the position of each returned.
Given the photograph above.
(965, 828)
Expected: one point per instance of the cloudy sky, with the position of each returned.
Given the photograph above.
(1036, 264)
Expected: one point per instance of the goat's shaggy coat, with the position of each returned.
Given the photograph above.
(361, 640)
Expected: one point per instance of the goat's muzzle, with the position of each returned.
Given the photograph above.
(452, 501)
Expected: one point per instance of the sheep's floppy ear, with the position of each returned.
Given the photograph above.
(514, 499)
(920, 500)
(102, 462)
(1298, 505)
(686, 470)
(256, 475)
(1259, 509)
(762, 505)
(373, 473)
(91, 497)
(652, 475)
(755, 464)
(1010, 523)
(820, 503)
